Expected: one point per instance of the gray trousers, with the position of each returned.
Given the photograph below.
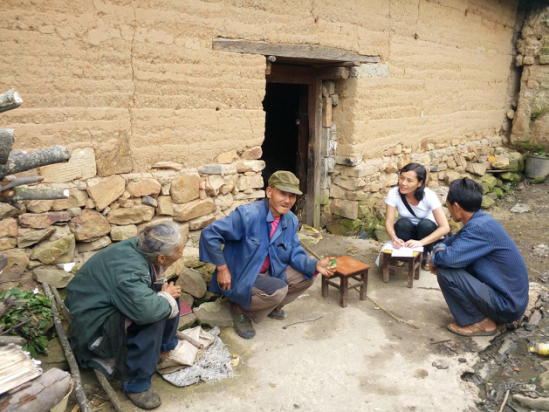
(467, 297)
(261, 303)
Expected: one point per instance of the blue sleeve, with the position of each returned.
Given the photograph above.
(299, 259)
(470, 244)
(218, 233)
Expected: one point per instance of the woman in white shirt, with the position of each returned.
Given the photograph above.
(422, 220)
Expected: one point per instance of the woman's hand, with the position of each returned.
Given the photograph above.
(323, 267)
(398, 243)
(174, 291)
(412, 243)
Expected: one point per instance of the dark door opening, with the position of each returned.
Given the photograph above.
(286, 132)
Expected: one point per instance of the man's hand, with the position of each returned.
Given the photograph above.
(173, 290)
(224, 277)
(432, 267)
(413, 243)
(323, 267)
(398, 243)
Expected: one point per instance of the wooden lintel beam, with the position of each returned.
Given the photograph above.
(333, 73)
(290, 74)
(297, 51)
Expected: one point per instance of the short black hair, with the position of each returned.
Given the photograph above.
(467, 193)
(421, 174)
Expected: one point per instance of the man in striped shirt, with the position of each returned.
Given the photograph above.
(480, 270)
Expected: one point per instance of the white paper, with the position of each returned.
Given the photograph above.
(402, 252)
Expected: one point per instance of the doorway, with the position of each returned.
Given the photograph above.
(287, 134)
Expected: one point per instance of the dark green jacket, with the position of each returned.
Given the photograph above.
(114, 284)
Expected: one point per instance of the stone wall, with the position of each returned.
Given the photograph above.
(531, 120)
(99, 211)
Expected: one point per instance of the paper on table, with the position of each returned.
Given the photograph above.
(402, 252)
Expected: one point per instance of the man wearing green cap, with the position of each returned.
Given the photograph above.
(262, 266)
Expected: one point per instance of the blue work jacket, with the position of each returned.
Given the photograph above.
(245, 234)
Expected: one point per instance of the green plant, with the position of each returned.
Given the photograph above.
(541, 153)
(537, 112)
(28, 318)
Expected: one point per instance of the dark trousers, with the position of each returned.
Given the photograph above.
(406, 230)
(145, 342)
(467, 297)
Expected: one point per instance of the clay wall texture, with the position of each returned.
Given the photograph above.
(139, 82)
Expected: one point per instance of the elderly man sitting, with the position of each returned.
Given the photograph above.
(120, 323)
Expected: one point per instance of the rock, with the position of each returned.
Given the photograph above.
(8, 234)
(186, 321)
(185, 297)
(345, 227)
(185, 188)
(43, 220)
(518, 208)
(7, 211)
(77, 198)
(119, 233)
(100, 243)
(55, 357)
(224, 201)
(192, 283)
(213, 184)
(541, 403)
(57, 251)
(167, 165)
(514, 178)
(17, 263)
(500, 162)
(345, 208)
(150, 201)
(487, 202)
(215, 169)
(250, 166)
(29, 237)
(215, 313)
(145, 187)
(228, 157)
(441, 364)
(257, 194)
(131, 215)
(348, 160)
(478, 169)
(190, 257)
(39, 206)
(516, 162)
(201, 222)
(490, 180)
(165, 206)
(52, 275)
(252, 154)
(194, 209)
(89, 225)
(81, 165)
(105, 191)
(498, 192)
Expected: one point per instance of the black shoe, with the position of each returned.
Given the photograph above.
(242, 325)
(145, 400)
(277, 314)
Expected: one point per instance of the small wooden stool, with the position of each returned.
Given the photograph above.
(347, 268)
(414, 265)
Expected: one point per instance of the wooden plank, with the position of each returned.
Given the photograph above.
(297, 51)
(283, 73)
(313, 161)
(303, 138)
(334, 73)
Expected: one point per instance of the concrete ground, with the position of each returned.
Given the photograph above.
(352, 359)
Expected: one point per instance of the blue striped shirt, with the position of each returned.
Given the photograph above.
(485, 250)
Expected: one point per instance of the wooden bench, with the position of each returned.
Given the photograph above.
(347, 268)
(411, 265)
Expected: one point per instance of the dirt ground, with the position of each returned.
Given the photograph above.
(360, 359)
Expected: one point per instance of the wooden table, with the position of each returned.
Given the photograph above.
(411, 265)
(347, 267)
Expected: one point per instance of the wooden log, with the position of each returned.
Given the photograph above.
(22, 161)
(6, 143)
(192, 341)
(25, 193)
(41, 395)
(334, 73)
(75, 372)
(16, 340)
(10, 100)
(105, 384)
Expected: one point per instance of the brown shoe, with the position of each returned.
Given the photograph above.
(145, 400)
(475, 329)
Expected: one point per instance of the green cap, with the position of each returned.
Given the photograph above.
(286, 181)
